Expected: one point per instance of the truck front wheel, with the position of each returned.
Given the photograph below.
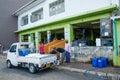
(32, 68)
(9, 65)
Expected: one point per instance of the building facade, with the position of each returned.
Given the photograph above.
(89, 22)
(8, 23)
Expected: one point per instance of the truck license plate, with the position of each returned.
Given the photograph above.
(47, 65)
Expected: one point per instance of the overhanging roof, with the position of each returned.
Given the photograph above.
(28, 6)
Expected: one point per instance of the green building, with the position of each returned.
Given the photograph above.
(88, 26)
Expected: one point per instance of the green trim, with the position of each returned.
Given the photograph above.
(44, 29)
(75, 17)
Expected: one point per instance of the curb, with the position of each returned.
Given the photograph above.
(88, 72)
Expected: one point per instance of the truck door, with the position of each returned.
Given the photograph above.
(12, 55)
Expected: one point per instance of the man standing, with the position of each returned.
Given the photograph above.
(61, 53)
(32, 47)
(67, 49)
(58, 52)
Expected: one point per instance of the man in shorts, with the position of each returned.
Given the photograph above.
(61, 53)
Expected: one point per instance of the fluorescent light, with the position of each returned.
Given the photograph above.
(95, 22)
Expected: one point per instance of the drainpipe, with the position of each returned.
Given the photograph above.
(115, 32)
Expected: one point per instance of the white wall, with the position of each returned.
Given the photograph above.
(72, 7)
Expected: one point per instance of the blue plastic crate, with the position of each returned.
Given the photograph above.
(100, 63)
(95, 62)
(24, 52)
(105, 62)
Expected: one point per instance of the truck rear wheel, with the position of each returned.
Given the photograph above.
(9, 65)
(32, 68)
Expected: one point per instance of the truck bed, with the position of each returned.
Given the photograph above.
(41, 58)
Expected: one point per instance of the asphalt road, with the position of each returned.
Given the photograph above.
(48, 74)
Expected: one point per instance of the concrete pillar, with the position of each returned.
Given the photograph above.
(48, 36)
(36, 40)
(29, 38)
(39, 36)
(68, 33)
(20, 38)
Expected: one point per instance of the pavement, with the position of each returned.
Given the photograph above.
(87, 68)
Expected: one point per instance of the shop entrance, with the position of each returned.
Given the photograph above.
(57, 34)
(92, 39)
(91, 33)
(43, 36)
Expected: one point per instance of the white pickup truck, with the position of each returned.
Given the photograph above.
(19, 55)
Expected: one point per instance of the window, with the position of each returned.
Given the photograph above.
(24, 20)
(25, 46)
(119, 3)
(37, 15)
(56, 7)
(25, 38)
(13, 48)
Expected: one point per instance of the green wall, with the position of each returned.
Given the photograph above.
(116, 58)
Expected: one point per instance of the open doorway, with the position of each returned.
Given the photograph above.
(25, 38)
(43, 36)
(57, 34)
(88, 32)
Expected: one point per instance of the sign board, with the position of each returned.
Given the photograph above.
(98, 42)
